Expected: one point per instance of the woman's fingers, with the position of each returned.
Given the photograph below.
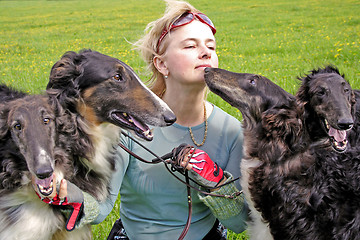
(53, 194)
(63, 189)
(185, 163)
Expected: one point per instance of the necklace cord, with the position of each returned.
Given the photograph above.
(205, 133)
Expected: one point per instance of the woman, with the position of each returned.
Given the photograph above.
(177, 48)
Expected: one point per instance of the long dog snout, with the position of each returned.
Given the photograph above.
(44, 165)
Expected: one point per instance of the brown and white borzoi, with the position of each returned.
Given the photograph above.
(291, 173)
(74, 135)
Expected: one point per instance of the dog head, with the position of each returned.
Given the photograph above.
(104, 89)
(28, 125)
(252, 94)
(269, 112)
(329, 104)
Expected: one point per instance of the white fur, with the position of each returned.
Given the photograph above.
(104, 137)
(23, 216)
(258, 229)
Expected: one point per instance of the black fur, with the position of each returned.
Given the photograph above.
(8, 94)
(10, 175)
(293, 173)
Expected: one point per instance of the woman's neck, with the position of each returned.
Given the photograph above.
(188, 106)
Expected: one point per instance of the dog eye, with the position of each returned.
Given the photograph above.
(252, 82)
(17, 126)
(117, 78)
(46, 121)
(320, 93)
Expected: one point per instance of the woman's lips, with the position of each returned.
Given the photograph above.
(203, 66)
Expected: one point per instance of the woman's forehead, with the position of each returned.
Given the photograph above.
(193, 30)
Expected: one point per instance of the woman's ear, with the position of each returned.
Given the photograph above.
(161, 65)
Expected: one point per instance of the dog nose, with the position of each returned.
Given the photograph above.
(169, 118)
(345, 124)
(45, 172)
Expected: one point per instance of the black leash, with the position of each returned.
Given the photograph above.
(166, 159)
(188, 221)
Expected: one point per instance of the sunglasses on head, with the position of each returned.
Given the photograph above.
(184, 19)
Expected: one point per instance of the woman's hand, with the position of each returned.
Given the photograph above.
(201, 167)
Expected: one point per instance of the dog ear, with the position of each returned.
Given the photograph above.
(63, 78)
(283, 122)
(302, 93)
(4, 129)
(65, 71)
(353, 103)
(72, 132)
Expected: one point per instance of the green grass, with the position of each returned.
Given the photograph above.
(280, 39)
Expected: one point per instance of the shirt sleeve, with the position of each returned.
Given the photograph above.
(121, 164)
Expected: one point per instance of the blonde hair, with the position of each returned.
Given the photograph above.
(147, 45)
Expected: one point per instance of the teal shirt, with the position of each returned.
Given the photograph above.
(153, 202)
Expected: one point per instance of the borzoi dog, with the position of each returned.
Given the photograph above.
(103, 95)
(291, 150)
(74, 135)
(28, 140)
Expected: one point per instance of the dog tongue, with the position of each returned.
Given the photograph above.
(138, 124)
(339, 135)
(44, 182)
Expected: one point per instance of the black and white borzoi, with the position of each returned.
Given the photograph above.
(290, 169)
(73, 132)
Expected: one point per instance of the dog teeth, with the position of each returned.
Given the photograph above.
(148, 133)
(47, 190)
(341, 145)
(128, 117)
(327, 124)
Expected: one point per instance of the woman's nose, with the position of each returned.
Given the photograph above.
(205, 52)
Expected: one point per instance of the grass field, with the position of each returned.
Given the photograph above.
(280, 39)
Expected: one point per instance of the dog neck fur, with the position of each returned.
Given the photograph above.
(104, 138)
